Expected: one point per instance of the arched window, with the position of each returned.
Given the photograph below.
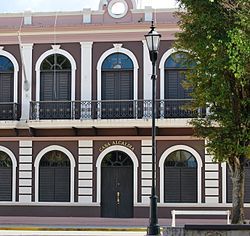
(180, 180)
(176, 96)
(6, 88)
(246, 184)
(54, 177)
(117, 86)
(55, 87)
(5, 177)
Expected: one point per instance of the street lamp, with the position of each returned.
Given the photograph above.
(153, 42)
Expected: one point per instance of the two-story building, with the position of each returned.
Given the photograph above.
(75, 118)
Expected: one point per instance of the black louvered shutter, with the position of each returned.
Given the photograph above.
(172, 183)
(63, 86)
(108, 85)
(54, 184)
(62, 184)
(171, 84)
(5, 183)
(46, 184)
(126, 84)
(188, 184)
(47, 86)
(6, 87)
(246, 186)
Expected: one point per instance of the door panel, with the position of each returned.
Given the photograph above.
(117, 192)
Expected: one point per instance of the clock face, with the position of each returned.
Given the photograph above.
(117, 8)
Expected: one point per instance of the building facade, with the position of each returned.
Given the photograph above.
(75, 118)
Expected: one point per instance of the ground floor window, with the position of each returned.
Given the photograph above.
(246, 186)
(5, 177)
(180, 177)
(54, 177)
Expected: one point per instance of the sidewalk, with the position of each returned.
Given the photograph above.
(91, 223)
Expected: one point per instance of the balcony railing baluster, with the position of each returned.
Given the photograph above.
(9, 111)
(109, 109)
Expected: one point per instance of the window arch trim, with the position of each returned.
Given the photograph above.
(72, 168)
(56, 50)
(117, 49)
(199, 168)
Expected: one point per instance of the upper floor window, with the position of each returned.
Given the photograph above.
(6, 80)
(117, 85)
(55, 87)
(176, 95)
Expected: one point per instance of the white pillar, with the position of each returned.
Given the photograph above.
(86, 70)
(147, 72)
(26, 51)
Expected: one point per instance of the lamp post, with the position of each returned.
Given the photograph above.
(153, 41)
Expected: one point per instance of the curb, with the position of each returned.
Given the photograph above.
(138, 229)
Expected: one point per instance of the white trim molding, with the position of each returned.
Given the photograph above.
(135, 166)
(199, 167)
(14, 165)
(56, 50)
(224, 182)
(117, 49)
(72, 168)
(16, 69)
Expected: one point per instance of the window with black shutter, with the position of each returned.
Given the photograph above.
(54, 177)
(6, 88)
(117, 86)
(180, 177)
(55, 87)
(246, 184)
(5, 177)
(175, 94)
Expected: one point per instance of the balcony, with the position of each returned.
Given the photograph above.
(119, 109)
(9, 111)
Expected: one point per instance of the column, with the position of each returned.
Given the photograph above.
(85, 171)
(146, 170)
(211, 179)
(26, 56)
(25, 171)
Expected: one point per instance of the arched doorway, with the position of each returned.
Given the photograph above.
(180, 177)
(117, 185)
(117, 87)
(54, 177)
(5, 177)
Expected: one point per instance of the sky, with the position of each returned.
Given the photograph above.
(11, 6)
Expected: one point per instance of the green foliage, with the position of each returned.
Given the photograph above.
(217, 35)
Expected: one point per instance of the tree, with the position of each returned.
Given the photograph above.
(217, 35)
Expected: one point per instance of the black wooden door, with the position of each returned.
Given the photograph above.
(117, 192)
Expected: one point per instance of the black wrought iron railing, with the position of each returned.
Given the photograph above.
(9, 111)
(119, 109)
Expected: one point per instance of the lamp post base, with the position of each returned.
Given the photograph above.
(153, 227)
(153, 230)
